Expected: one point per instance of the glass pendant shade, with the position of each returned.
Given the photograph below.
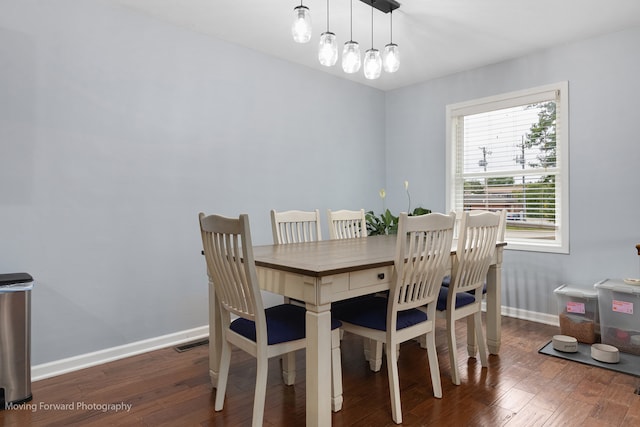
(351, 61)
(372, 64)
(328, 49)
(301, 27)
(391, 58)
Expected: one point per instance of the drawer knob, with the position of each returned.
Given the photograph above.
(380, 276)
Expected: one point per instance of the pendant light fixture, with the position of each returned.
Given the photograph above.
(328, 47)
(372, 60)
(301, 27)
(351, 61)
(391, 57)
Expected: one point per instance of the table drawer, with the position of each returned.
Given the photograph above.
(374, 276)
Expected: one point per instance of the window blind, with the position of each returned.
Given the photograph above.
(507, 156)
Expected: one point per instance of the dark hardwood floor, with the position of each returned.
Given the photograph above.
(519, 388)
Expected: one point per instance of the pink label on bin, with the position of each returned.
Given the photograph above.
(575, 307)
(622, 307)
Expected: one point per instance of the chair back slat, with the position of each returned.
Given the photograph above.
(345, 224)
(422, 254)
(476, 247)
(230, 265)
(295, 226)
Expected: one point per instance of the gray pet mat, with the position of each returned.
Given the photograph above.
(629, 363)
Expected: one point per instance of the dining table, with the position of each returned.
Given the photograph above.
(322, 272)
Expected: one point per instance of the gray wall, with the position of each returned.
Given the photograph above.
(604, 156)
(117, 129)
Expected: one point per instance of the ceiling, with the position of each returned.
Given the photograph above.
(436, 37)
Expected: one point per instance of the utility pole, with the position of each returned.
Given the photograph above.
(483, 163)
(520, 160)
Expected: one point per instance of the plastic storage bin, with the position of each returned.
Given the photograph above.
(578, 313)
(15, 339)
(619, 306)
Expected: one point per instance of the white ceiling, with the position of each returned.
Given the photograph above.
(436, 37)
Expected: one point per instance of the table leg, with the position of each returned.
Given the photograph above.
(494, 305)
(215, 336)
(318, 329)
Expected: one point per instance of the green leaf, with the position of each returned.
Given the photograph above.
(387, 223)
(420, 211)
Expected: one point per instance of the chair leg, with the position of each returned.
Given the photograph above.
(289, 368)
(223, 375)
(472, 344)
(375, 355)
(453, 358)
(434, 367)
(336, 372)
(422, 340)
(482, 343)
(394, 383)
(261, 391)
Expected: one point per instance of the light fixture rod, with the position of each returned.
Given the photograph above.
(385, 6)
(391, 27)
(351, 36)
(327, 16)
(372, 2)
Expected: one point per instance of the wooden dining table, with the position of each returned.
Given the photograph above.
(323, 272)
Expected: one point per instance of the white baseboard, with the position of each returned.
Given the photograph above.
(533, 316)
(75, 363)
(59, 367)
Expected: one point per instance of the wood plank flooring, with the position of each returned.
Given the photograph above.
(519, 388)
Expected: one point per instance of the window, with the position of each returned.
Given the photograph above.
(511, 152)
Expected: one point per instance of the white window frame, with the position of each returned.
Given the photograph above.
(528, 96)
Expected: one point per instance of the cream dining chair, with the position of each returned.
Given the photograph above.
(263, 333)
(502, 230)
(422, 255)
(295, 226)
(345, 224)
(462, 298)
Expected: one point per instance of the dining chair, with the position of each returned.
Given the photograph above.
(463, 297)
(502, 230)
(503, 221)
(345, 224)
(263, 333)
(295, 226)
(423, 248)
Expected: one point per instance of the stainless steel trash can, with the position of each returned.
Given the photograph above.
(15, 339)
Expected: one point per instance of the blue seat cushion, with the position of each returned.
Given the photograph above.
(338, 304)
(285, 322)
(447, 281)
(372, 313)
(462, 299)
